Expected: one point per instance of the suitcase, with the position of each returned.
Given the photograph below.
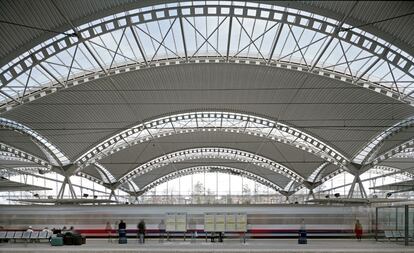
(302, 240)
(83, 239)
(56, 241)
(77, 240)
(68, 240)
(122, 240)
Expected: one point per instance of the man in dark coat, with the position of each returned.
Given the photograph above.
(141, 231)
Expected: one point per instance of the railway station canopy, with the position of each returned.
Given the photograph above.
(120, 97)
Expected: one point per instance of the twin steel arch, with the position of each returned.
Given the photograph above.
(367, 154)
(352, 56)
(212, 121)
(55, 156)
(211, 153)
(202, 169)
(12, 153)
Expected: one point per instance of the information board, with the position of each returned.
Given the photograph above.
(220, 222)
(209, 222)
(170, 222)
(225, 222)
(241, 222)
(181, 222)
(176, 222)
(230, 222)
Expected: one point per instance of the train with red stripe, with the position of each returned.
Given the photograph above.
(263, 221)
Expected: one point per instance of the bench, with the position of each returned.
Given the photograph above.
(44, 235)
(3, 235)
(10, 234)
(396, 234)
(35, 236)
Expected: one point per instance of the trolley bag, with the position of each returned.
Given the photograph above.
(302, 240)
(77, 240)
(122, 236)
(302, 237)
(122, 240)
(68, 240)
(56, 241)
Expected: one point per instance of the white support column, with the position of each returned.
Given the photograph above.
(62, 189)
(351, 190)
(357, 180)
(113, 194)
(72, 191)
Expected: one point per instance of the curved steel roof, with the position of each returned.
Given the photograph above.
(182, 32)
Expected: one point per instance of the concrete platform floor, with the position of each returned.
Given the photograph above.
(200, 246)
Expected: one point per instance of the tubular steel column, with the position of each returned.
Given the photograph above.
(376, 224)
(406, 225)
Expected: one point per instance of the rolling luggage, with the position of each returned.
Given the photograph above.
(77, 240)
(56, 241)
(302, 237)
(302, 240)
(122, 240)
(68, 240)
(122, 237)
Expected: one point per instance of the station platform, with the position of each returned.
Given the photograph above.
(228, 246)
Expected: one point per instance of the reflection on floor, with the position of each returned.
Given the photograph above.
(253, 245)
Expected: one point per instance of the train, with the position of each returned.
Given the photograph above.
(263, 221)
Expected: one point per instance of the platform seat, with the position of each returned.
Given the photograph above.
(18, 235)
(34, 235)
(3, 236)
(43, 235)
(26, 235)
(397, 234)
(10, 234)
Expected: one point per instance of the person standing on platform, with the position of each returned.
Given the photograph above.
(141, 231)
(358, 230)
(161, 229)
(302, 233)
(122, 232)
(108, 230)
(122, 225)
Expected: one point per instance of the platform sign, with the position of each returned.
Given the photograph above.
(181, 222)
(230, 222)
(176, 222)
(220, 222)
(170, 222)
(209, 223)
(241, 222)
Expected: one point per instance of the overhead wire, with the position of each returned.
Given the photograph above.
(378, 21)
(37, 28)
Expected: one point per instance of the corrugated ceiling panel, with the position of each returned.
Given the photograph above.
(78, 117)
(20, 141)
